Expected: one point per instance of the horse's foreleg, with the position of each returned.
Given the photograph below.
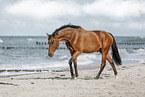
(74, 59)
(70, 61)
(75, 66)
(71, 68)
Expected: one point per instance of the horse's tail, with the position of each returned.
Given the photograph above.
(115, 53)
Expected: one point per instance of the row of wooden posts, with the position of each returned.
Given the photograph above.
(48, 48)
(29, 48)
(45, 43)
(131, 43)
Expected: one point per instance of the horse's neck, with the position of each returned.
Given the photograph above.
(65, 36)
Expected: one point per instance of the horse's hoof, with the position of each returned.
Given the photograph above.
(116, 77)
(74, 78)
(77, 75)
(96, 77)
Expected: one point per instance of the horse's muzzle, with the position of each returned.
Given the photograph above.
(50, 55)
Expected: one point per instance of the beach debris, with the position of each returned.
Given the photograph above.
(88, 78)
(62, 75)
(5, 83)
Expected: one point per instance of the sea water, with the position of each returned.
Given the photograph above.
(31, 53)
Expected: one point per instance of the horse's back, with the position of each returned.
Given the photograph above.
(96, 36)
(92, 41)
(102, 34)
(105, 37)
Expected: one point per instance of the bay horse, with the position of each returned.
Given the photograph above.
(79, 40)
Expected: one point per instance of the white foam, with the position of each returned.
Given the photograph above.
(133, 60)
(1, 41)
(139, 50)
(88, 56)
(131, 51)
(87, 59)
(141, 36)
(63, 57)
(30, 39)
(87, 62)
(123, 51)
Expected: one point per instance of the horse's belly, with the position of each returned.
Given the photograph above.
(91, 48)
(91, 42)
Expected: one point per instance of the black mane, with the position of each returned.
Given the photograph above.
(65, 26)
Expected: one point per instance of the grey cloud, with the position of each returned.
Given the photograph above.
(35, 17)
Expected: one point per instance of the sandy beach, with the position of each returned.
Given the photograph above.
(130, 83)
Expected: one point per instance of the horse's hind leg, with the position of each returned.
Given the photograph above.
(103, 64)
(112, 64)
(101, 69)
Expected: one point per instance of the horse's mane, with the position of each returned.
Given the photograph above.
(66, 26)
(63, 27)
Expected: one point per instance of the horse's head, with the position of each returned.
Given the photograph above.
(53, 44)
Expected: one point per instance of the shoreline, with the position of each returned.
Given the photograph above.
(131, 82)
(19, 72)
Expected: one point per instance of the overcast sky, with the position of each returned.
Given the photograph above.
(36, 17)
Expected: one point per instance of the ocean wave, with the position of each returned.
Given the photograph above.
(63, 57)
(61, 61)
(133, 60)
(88, 56)
(24, 66)
(30, 39)
(87, 62)
(123, 52)
(141, 36)
(131, 51)
(139, 50)
(1, 41)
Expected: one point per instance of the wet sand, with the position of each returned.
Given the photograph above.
(130, 83)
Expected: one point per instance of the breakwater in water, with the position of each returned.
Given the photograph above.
(31, 70)
(42, 45)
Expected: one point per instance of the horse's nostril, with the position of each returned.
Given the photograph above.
(50, 55)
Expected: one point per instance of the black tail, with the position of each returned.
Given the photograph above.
(115, 54)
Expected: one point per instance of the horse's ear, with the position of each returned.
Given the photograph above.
(47, 34)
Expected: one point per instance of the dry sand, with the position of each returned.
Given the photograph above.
(130, 83)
